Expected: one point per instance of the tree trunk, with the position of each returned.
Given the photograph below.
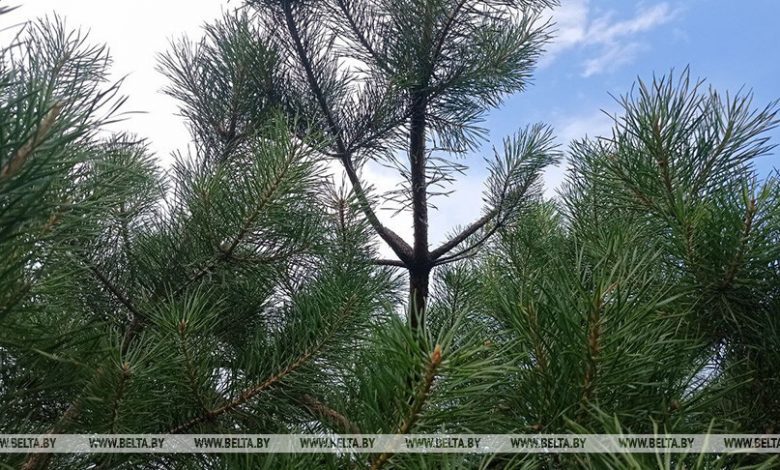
(420, 267)
(418, 296)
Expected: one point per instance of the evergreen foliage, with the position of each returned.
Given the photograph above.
(241, 291)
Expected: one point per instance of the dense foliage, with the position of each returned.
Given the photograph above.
(241, 290)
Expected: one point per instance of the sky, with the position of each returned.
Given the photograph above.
(600, 48)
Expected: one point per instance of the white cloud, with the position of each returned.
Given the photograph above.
(135, 33)
(592, 125)
(570, 25)
(609, 42)
(604, 31)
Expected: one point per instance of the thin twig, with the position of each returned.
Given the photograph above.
(467, 232)
(23, 154)
(322, 410)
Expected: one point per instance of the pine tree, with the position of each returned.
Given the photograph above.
(241, 291)
(645, 300)
(231, 293)
(405, 84)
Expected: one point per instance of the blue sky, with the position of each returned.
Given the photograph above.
(601, 47)
(604, 45)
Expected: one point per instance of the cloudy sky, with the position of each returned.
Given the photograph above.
(601, 47)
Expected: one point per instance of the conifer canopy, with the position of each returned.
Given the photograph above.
(242, 290)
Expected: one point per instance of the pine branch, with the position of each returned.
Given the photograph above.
(469, 250)
(747, 227)
(663, 161)
(122, 298)
(136, 323)
(249, 393)
(245, 229)
(463, 235)
(535, 331)
(321, 410)
(594, 346)
(36, 461)
(396, 243)
(512, 178)
(192, 377)
(419, 401)
(464, 254)
(274, 258)
(124, 377)
(361, 141)
(23, 154)
(128, 249)
(41, 461)
(709, 165)
(380, 60)
(21, 293)
(445, 31)
(137, 315)
(389, 262)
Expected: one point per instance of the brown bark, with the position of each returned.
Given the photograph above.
(418, 296)
(420, 267)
